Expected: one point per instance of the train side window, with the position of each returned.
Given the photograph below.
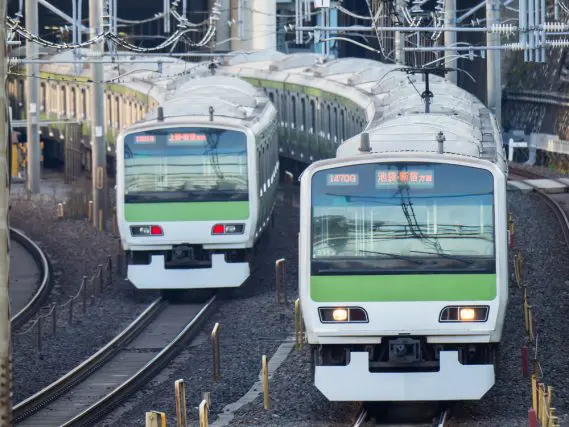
(83, 103)
(73, 102)
(303, 114)
(259, 177)
(43, 97)
(336, 136)
(118, 112)
(63, 108)
(283, 108)
(330, 127)
(312, 116)
(109, 110)
(293, 123)
(343, 125)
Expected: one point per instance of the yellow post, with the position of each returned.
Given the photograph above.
(155, 419)
(265, 371)
(181, 411)
(534, 392)
(542, 411)
(203, 411)
(100, 220)
(216, 357)
(530, 324)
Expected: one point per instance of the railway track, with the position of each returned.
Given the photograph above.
(364, 419)
(558, 202)
(35, 294)
(87, 393)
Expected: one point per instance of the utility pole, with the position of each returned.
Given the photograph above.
(5, 333)
(98, 152)
(33, 71)
(450, 40)
(493, 61)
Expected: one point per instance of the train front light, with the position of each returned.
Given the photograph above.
(146, 230)
(342, 315)
(464, 314)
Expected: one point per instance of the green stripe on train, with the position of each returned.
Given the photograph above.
(404, 287)
(187, 211)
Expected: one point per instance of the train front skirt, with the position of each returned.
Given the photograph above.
(454, 381)
(221, 275)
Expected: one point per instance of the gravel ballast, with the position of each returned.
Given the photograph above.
(75, 248)
(294, 399)
(253, 325)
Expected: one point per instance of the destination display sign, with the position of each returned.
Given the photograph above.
(145, 139)
(412, 177)
(342, 179)
(174, 138)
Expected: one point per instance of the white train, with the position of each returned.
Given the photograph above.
(402, 259)
(196, 185)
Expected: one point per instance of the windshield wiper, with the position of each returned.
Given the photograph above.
(448, 256)
(403, 257)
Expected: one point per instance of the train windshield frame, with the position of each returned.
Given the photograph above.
(186, 164)
(394, 218)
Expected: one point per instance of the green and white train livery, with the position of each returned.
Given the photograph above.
(196, 185)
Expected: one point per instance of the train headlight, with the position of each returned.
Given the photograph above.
(340, 315)
(146, 230)
(343, 315)
(456, 313)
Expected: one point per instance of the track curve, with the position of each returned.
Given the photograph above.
(39, 292)
(87, 393)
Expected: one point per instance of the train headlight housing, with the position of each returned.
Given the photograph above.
(220, 229)
(146, 230)
(343, 315)
(457, 313)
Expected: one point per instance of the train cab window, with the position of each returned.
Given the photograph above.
(312, 116)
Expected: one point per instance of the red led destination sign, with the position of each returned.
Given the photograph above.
(186, 137)
(415, 178)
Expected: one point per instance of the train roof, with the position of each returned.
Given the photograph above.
(389, 96)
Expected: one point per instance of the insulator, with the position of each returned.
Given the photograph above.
(560, 43)
(554, 26)
(503, 28)
(515, 46)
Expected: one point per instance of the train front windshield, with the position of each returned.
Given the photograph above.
(398, 217)
(186, 164)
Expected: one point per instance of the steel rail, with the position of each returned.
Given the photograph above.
(101, 408)
(46, 283)
(557, 209)
(34, 403)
